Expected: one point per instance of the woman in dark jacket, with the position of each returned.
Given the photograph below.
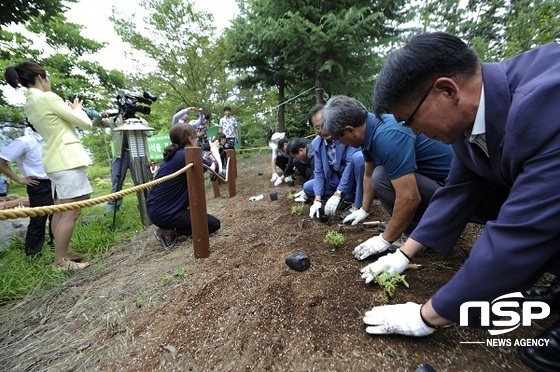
(168, 202)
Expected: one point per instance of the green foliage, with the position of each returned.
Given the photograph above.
(334, 238)
(99, 143)
(18, 11)
(290, 196)
(94, 234)
(166, 280)
(180, 273)
(291, 46)
(297, 210)
(389, 281)
(191, 69)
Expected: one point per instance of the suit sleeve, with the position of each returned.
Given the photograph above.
(346, 178)
(319, 173)
(76, 117)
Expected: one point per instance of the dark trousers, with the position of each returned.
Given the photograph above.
(282, 162)
(182, 224)
(39, 196)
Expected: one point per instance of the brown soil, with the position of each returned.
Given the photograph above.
(242, 308)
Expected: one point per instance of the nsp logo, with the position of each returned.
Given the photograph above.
(506, 310)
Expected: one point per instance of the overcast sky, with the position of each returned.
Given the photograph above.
(94, 16)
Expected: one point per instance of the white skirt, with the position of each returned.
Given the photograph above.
(70, 184)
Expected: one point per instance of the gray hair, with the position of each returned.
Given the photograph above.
(410, 70)
(340, 112)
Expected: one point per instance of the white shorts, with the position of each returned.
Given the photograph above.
(70, 184)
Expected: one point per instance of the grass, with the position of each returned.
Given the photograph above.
(94, 234)
(334, 238)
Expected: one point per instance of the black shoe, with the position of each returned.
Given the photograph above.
(543, 358)
(549, 294)
(166, 237)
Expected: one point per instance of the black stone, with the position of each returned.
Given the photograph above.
(274, 196)
(298, 261)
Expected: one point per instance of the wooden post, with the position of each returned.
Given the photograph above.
(232, 173)
(197, 200)
(216, 188)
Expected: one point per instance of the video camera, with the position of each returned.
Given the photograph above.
(128, 104)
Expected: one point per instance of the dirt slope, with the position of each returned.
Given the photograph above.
(242, 308)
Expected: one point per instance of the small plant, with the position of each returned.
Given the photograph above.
(389, 280)
(180, 273)
(335, 238)
(165, 280)
(297, 210)
(290, 196)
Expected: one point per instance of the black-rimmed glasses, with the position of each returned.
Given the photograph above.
(408, 122)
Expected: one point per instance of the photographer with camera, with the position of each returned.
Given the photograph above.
(112, 119)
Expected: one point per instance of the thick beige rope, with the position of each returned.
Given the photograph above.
(50, 209)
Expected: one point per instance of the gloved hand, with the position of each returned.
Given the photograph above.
(278, 181)
(357, 216)
(299, 193)
(402, 319)
(301, 199)
(371, 246)
(331, 205)
(393, 263)
(314, 210)
(288, 179)
(274, 177)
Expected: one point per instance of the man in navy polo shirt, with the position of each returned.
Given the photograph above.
(402, 168)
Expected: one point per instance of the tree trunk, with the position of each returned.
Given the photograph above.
(319, 88)
(281, 106)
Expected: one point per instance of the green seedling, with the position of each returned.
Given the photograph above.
(297, 210)
(166, 280)
(335, 238)
(389, 280)
(180, 273)
(290, 196)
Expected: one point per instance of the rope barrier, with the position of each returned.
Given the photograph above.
(50, 209)
(216, 173)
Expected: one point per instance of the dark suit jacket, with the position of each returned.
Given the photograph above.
(522, 113)
(323, 173)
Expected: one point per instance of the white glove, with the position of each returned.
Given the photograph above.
(402, 319)
(274, 177)
(278, 181)
(331, 205)
(371, 246)
(314, 210)
(301, 199)
(393, 263)
(299, 193)
(357, 216)
(288, 179)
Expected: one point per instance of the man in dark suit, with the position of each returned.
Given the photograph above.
(503, 122)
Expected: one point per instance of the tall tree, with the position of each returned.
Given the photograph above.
(328, 44)
(190, 69)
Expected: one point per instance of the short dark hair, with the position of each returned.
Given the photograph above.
(220, 135)
(341, 111)
(409, 71)
(318, 107)
(227, 108)
(282, 142)
(296, 144)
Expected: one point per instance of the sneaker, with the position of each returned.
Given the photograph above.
(166, 237)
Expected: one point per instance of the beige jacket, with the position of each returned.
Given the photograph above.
(56, 121)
